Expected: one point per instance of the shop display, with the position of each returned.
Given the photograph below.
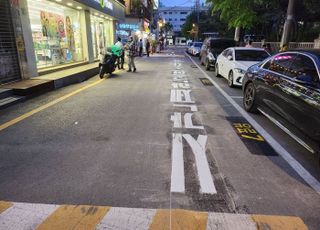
(56, 33)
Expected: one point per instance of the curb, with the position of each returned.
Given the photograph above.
(48, 216)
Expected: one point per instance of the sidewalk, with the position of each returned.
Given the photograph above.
(14, 216)
(15, 92)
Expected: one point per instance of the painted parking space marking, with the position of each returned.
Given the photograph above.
(252, 139)
(295, 165)
(181, 97)
(21, 216)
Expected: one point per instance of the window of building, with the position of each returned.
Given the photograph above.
(170, 12)
(164, 12)
(183, 12)
(102, 35)
(170, 19)
(182, 19)
(56, 33)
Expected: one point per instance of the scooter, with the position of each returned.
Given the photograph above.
(108, 64)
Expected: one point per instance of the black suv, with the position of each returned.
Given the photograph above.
(211, 48)
(286, 89)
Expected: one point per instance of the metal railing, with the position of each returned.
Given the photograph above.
(275, 46)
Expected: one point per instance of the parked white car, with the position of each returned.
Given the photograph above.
(195, 48)
(233, 62)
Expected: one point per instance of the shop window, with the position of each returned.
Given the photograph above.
(56, 33)
(102, 35)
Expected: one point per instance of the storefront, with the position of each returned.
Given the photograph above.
(67, 33)
(102, 34)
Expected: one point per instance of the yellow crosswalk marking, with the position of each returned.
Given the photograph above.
(4, 205)
(178, 220)
(80, 217)
(278, 222)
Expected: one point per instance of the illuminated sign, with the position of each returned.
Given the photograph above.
(126, 26)
(105, 3)
(122, 33)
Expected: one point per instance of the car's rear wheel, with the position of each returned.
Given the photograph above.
(216, 70)
(249, 98)
(230, 79)
(207, 65)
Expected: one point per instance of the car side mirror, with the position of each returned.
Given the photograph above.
(230, 58)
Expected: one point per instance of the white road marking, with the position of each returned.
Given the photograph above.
(228, 221)
(127, 219)
(177, 121)
(23, 216)
(199, 150)
(178, 72)
(193, 108)
(182, 96)
(181, 85)
(188, 122)
(303, 173)
(237, 97)
(177, 171)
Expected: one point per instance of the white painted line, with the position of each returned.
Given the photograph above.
(23, 216)
(183, 96)
(237, 97)
(188, 122)
(199, 150)
(193, 108)
(176, 119)
(287, 131)
(303, 173)
(177, 170)
(127, 219)
(185, 85)
(226, 221)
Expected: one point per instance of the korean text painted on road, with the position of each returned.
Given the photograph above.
(181, 97)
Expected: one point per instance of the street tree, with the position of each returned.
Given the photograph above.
(207, 23)
(268, 16)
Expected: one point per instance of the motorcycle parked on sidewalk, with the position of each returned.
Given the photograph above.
(108, 63)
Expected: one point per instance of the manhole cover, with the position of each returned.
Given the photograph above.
(205, 81)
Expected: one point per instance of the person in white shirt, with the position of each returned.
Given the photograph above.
(120, 60)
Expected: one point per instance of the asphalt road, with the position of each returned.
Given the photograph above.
(117, 143)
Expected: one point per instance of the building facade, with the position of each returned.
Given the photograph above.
(138, 20)
(175, 15)
(55, 34)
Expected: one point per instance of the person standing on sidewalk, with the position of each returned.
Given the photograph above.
(148, 47)
(131, 50)
(120, 59)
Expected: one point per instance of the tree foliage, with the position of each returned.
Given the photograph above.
(207, 23)
(268, 16)
(167, 27)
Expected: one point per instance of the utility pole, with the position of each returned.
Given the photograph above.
(288, 25)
